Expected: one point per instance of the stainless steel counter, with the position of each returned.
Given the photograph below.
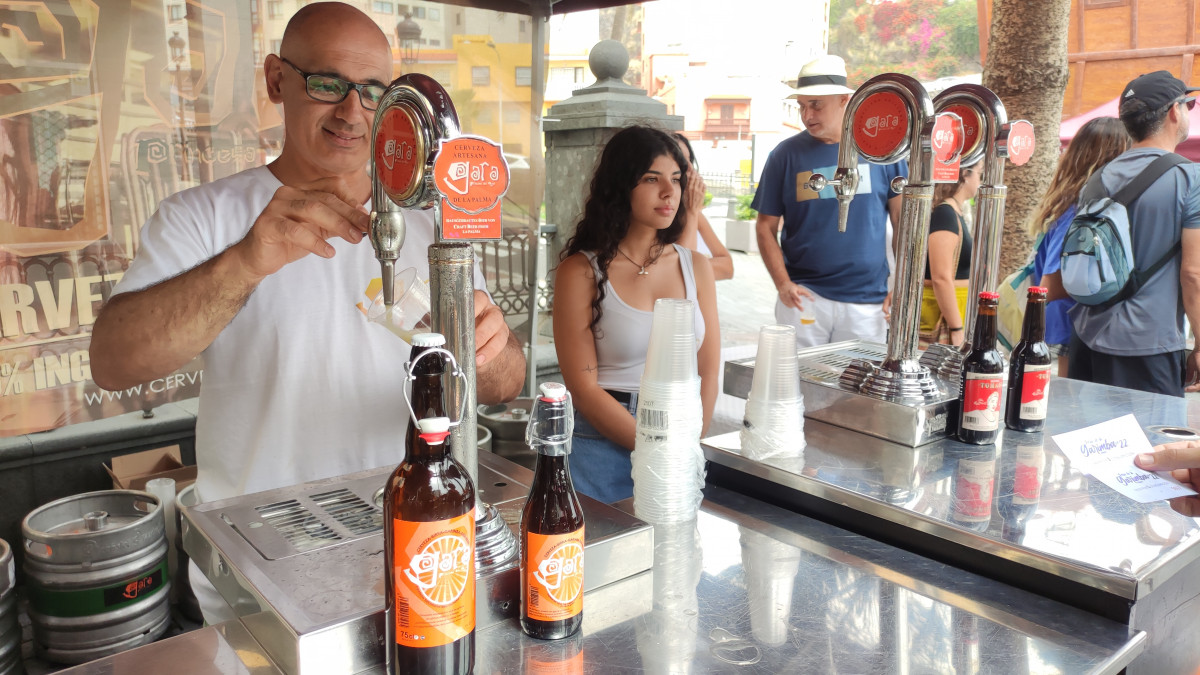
(750, 587)
(1082, 543)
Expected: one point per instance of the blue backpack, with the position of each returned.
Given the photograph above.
(1097, 262)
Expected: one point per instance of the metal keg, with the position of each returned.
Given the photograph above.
(96, 574)
(10, 629)
(184, 597)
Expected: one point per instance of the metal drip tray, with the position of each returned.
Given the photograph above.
(303, 565)
(830, 376)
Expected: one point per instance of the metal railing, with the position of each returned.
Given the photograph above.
(727, 185)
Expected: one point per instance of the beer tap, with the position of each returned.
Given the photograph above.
(414, 116)
(888, 116)
(988, 132)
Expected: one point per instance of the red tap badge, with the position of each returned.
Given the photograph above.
(399, 153)
(972, 125)
(472, 176)
(1020, 142)
(880, 125)
(947, 142)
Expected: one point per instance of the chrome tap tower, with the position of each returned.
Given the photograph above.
(900, 101)
(984, 114)
(414, 116)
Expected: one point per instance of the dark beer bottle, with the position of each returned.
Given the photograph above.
(1029, 369)
(982, 378)
(429, 536)
(1021, 470)
(551, 525)
(974, 488)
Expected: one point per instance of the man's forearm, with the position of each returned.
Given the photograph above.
(501, 379)
(772, 254)
(1190, 286)
(147, 334)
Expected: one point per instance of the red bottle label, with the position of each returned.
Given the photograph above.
(1027, 484)
(981, 401)
(435, 580)
(1035, 384)
(554, 575)
(973, 490)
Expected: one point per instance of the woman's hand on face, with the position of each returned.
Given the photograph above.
(694, 199)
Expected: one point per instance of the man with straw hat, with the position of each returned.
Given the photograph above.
(831, 285)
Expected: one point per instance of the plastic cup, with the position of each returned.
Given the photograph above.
(776, 377)
(807, 316)
(671, 354)
(409, 315)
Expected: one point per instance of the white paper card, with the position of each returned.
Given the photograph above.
(1106, 451)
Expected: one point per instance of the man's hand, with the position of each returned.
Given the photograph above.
(1182, 459)
(887, 306)
(298, 220)
(1192, 371)
(491, 332)
(790, 294)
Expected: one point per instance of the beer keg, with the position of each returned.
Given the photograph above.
(10, 629)
(96, 574)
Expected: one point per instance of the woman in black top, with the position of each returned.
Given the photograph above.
(948, 267)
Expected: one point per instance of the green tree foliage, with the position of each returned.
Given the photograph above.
(927, 39)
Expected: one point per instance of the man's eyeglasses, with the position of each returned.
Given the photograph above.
(330, 89)
(1189, 102)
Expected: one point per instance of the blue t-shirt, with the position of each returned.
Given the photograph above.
(1047, 261)
(848, 266)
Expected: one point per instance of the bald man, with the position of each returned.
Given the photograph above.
(260, 273)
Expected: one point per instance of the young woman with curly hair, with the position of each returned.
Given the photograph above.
(622, 258)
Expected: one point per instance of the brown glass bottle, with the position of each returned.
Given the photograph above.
(982, 380)
(973, 488)
(1029, 369)
(552, 526)
(429, 537)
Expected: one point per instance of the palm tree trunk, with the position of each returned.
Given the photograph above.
(1027, 68)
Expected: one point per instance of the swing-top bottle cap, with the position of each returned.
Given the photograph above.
(428, 340)
(434, 430)
(553, 391)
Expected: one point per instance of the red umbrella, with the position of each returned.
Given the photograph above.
(1189, 148)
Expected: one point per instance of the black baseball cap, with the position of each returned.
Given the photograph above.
(1156, 90)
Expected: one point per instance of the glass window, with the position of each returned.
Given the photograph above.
(522, 24)
(275, 9)
(435, 42)
(403, 9)
(381, 7)
(512, 114)
(178, 13)
(524, 76)
(275, 45)
(481, 76)
(435, 14)
(418, 12)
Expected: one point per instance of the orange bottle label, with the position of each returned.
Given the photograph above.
(435, 580)
(542, 666)
(553, 575)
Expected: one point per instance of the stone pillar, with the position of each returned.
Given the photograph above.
(577, 129)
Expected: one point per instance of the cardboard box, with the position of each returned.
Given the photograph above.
(132, 472)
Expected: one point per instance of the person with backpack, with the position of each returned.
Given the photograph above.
(1131, 255)
(1098, 142)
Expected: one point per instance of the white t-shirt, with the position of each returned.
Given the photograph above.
(299, 386)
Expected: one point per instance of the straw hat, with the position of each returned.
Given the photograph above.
(823, 76)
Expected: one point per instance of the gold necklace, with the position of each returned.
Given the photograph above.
(643, 266)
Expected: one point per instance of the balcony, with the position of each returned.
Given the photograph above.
(716, 128)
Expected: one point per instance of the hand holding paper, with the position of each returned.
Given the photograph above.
(1182, 459)
(1106, 451)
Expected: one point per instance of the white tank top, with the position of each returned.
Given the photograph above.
(624, 332)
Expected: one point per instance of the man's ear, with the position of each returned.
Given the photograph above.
(273, 72)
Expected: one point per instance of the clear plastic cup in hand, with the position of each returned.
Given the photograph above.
(671, 354)
(776, 375)
(409, 315)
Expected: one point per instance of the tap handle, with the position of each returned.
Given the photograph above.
(818, 182)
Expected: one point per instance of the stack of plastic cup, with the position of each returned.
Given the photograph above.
(774, 421)
(770, 566)
(666, 639)
(668, 465)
